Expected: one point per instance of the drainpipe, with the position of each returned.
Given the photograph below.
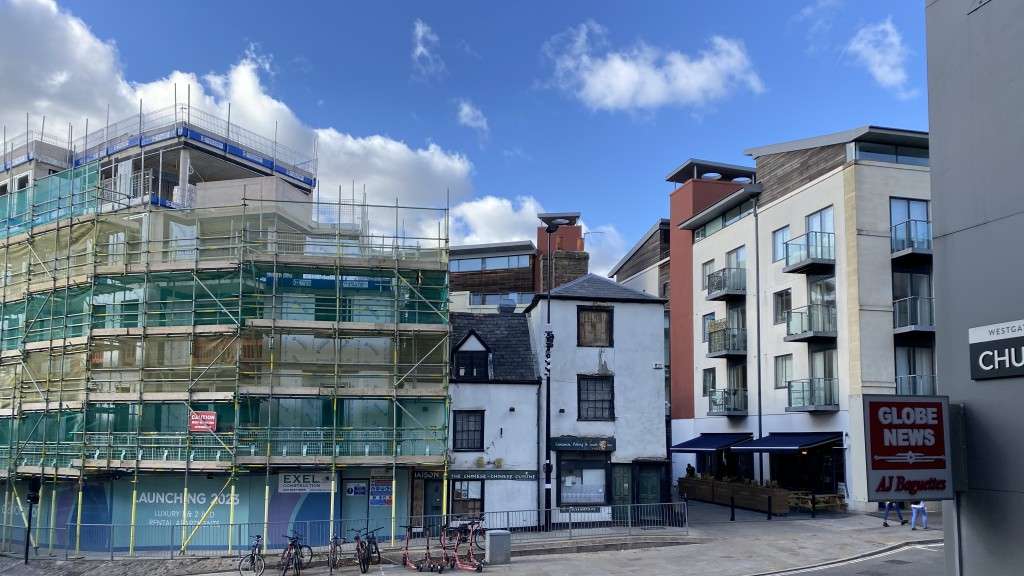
(757, 335)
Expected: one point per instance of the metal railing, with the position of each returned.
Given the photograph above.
(916, 385)
(813, 392)
(811, 246)
(218, 539)
(913, 311)
(916, 234)
(811, 318)
(726, 340)
(727, 280)
(728, 400)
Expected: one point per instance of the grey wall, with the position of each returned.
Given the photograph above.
(976, 87)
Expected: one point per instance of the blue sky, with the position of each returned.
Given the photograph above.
(569, 105)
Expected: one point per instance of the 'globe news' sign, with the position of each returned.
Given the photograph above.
(908, 448)
(997, 350)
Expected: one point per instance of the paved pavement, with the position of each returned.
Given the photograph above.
(751, 545)
(922, 560)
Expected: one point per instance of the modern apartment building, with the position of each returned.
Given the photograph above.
(811, 286)
(188, 339)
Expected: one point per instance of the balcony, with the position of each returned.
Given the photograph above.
(812, 253)
(812, 323)
(727, 284)
(813, 395)
(916, 385)
(911, 241)
(730, 402)
(913, 315)
(727, 342)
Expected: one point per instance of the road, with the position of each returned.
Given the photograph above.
(923, 560)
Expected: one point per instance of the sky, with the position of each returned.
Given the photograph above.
(501, 109)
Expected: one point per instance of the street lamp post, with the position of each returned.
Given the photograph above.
(552, 222)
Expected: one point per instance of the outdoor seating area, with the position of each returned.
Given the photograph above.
(742, 494)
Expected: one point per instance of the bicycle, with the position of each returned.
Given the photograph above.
(361, 551)
(334, 552)
(253, 562)
(303, 554)
(369, 538)
(290, 559)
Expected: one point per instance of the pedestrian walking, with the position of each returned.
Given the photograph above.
(890, 505)
(916, 510)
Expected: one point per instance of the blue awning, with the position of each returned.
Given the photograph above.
(711, 441)
(789, 442)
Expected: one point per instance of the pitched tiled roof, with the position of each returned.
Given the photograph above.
(507, 335)
(594, 287)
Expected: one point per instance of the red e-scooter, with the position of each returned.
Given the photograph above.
(428, 562)
(454, 537)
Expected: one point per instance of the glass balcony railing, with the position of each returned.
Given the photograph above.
(913, 311)
(916, 385)
(811, 319)
(726, 401)
(912, 234)
(727, 341)
(819, 246)
(813, 392)
(727, 280)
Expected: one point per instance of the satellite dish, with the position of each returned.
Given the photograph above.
(742, 180)
(711, 176)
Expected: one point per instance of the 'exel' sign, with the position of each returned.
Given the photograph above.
(997, 350)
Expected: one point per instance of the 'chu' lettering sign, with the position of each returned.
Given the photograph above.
(997, 350)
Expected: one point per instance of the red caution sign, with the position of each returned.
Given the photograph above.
(202, 421)
(908, 452)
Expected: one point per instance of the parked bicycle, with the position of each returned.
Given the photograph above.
(253, 564)
(334, 552)
(296, 555)
(367, 550)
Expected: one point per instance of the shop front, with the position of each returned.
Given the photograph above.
(802, 461)
(714, 457)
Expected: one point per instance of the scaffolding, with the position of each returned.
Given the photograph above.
(315, 332)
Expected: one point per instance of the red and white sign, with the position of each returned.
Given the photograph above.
(202, 421)
(908, 453)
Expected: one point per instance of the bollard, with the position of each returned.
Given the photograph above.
(732, 508)
(499, 547)
(769, 506)
(812, 505)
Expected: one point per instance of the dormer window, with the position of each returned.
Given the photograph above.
(471, 365)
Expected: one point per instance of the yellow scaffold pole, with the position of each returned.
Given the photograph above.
(78, 522)
(213, 504)
(231, 515)
(131, 528)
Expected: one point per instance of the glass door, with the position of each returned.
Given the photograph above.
(823, 377)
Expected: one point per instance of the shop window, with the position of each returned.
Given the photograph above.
(594, 327)
(582, 480)
(782, 302)
(468, 433)
(468, 497)
(595, 398)
(471, 365)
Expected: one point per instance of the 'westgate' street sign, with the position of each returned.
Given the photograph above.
(908, 450)
(997, 350)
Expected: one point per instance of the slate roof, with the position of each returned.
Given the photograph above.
(507, 335)
(594, 287)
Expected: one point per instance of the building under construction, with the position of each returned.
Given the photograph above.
(190, 339)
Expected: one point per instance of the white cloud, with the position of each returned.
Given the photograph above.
(645, 77)
(471, 117)
(68, 74)
(818, 17)
(494, 219)
(426, 60)
(880, 49)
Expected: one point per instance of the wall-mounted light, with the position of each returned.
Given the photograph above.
(511, 408)
(561, 410)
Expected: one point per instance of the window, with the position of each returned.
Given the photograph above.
(471, 365)
(894, 154)
(468, 432)
(582, 480)
(593, 326)
(595, 398)
(706, 321)
(21, 181)
(717, 223)
(736, 258)
(782, 302)
(783, 370)
(821, 221)
(736, 376)
(779, 239)
(3, 188)
(709, 382)
(705, 270)
(468, 497)
(903, 209)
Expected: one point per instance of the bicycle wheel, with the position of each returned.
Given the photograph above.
(364, 562)
(480, 539)
(334, 557)
(245, 566)
(305, 556)
(259, 564)
(375, 553)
